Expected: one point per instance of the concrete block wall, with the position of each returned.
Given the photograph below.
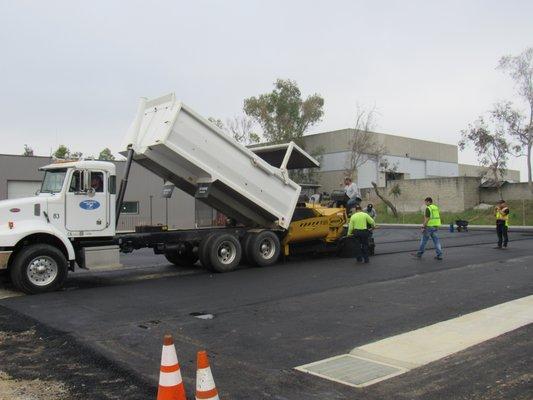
(509, 191)
(451, 194)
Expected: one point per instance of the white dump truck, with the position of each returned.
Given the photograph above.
(72, 220)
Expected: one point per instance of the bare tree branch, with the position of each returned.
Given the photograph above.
(238, 127)
(363, 143)
(385, 200)
(241, 130)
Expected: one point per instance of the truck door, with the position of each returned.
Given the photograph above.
(86, 201)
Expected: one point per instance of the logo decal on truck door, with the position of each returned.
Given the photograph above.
(89, 204)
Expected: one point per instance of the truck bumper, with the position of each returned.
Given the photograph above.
(4, 259)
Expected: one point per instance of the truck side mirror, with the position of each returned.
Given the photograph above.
(86, 184)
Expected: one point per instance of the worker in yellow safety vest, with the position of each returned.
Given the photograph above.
(430, 228)
(502, 224)
(358, 227)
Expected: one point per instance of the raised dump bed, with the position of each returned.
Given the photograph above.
(180, 146)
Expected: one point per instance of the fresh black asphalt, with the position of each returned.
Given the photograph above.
(267, 321)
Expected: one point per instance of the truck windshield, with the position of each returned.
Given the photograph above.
(53, 180)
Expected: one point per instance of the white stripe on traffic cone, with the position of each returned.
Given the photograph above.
(205, 384)
(170, 383)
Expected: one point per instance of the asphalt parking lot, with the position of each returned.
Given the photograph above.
(268, 321)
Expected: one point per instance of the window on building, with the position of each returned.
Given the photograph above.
(130, 207)
(394, 176)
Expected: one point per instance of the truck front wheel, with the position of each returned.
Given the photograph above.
(39, 268)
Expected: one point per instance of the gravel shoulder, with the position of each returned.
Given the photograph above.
(39, 363)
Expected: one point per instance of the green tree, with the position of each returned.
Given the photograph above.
(282, 114)
(106, 155)
(62, 152)
(490, 146)
(519, 125)
(28, 151)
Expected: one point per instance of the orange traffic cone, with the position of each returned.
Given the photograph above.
(205, 385)
(170, 382)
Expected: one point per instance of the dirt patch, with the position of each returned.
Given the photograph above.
(40, 363)
(36, 389)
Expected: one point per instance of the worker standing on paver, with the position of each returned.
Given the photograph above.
(358, 227)
(430, 228)
(502, 224)
(352, 193)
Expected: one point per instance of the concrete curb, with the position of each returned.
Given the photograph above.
(470, 227)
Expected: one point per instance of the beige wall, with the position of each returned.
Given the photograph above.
(334, 180)
(512, 175)
(450, 194)
(330, 181)
(509, 191)
(396, 145)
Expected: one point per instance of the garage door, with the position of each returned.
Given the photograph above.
(18, 189)
(417, 169)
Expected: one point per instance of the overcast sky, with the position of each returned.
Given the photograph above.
(71, 72)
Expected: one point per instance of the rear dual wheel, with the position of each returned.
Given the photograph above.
(220, 252)
(262, 248)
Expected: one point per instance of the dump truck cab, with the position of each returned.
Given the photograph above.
(76, 200)
(80, 197)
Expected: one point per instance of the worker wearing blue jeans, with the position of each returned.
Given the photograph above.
(430, 228)
(426, 234)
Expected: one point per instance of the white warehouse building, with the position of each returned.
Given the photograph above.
(413, 159)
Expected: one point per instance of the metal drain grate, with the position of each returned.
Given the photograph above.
(351, 370)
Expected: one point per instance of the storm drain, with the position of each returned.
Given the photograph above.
(351, 370)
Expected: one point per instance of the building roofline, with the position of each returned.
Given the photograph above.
(381, 133)
(22, 156)
(49, 157)
(481, 166)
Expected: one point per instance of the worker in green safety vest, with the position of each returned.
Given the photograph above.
(358, 227)
(502, 224)
(430, 228)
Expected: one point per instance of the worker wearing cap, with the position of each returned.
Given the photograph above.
(430, 228)
(502, 224)
(358, 227)
(370, 210)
